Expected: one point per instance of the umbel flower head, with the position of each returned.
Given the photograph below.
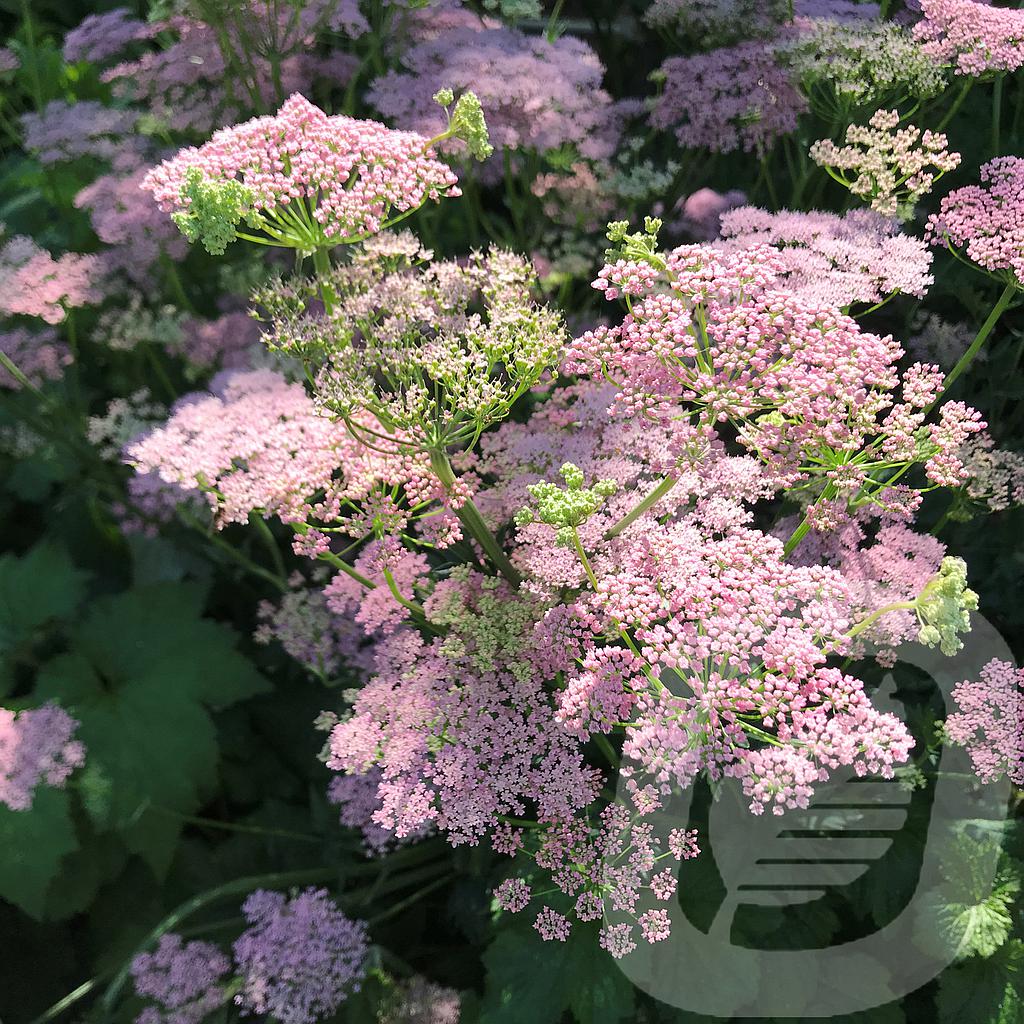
(436, 352)
(566, 508)
(307, 180)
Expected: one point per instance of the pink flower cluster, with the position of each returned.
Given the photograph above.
(738, 97)
(975, 38)
(299, 958)
(989, 721)
(38, 354)
(36, 747)
(358, 800)
(834, 259)
(186, 979)
(257, 443)
(536, 94)
(33, 283)
(353, 174)
(985, 221)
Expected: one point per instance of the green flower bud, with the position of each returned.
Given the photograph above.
(214, 211)
(469, 125)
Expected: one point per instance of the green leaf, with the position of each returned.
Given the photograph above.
(145, 673)
(529, 979)
(34, 589)
(33, 844)
(971, 913)
(159, 629)
(988, 991)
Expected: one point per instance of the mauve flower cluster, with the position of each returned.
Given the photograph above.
(8, 60)
(101, 36)
(889, 166)
(715, 22)
(989, 721)
(297, 961)
(995, 475)
(834, 259)
(36, 747)
(209, 76)
(64, 131)
(299, 958)
(537, 94)
(38, 354)
(33, 283)
(186, 979)
(129, 222)
(986, 221)
(733, 98)
(344, 177)
(974, 38)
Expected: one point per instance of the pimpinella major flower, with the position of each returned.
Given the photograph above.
(566, 508)
(306, 180)
(213, 210)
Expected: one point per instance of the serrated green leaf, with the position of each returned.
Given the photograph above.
(145, 673)
(160, 629)
(40, 586)
(988, 991)
(33, 844)
(971, 913)
(532, 980)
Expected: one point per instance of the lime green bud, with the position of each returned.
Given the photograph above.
(214, 210)
(944, 607)
(566, 508)
(572, 475)
(469, 125)
(445, 97)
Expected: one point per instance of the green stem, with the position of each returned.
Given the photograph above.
(637, 511)
(69, 1000)
(827, 493)
(232, 552)
(997, 114)
(15, 371)
(231, 826)
(416, 609)
(174, 283)
(896, 606)
(986, 329)
(277, 880)
(607, 749)
(551, 32)
(474, 523)
(269, 542)
(30, 36)
(584, 561)
(404, 904)
(957, 103)
(322, 266)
